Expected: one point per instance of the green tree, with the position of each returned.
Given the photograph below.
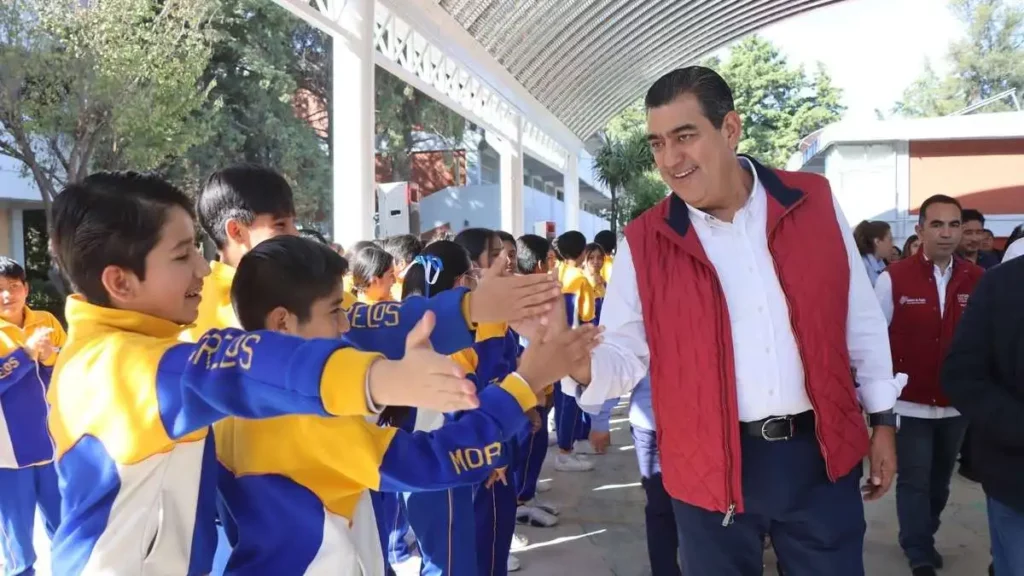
(640, 194)
(268, 105)
(988, 61)
(620, 161)
(408, 118)
(778, 102)
(112, 84)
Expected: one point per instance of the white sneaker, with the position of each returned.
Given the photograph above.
(584, 448)
(543, 487)
(541, 505)
(571, 463)
(519, 541)
(535, 517)
(513, 564)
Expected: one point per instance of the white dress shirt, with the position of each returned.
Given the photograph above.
(883, 290)
(769, 371)
(1014, 250)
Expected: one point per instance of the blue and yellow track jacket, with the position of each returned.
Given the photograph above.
(131, 408)
(293, 489)
(578, 295)
(24, 440)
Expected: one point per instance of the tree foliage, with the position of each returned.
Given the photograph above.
(408, 119)
(620, 161)
(988, 61)
(269, 104)
(102, 85)
(779, 103)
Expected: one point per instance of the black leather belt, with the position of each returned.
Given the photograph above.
(778, 428)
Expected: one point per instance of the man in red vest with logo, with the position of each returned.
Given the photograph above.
(923, 297)
(744, 295)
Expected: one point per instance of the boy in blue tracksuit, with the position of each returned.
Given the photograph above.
(533, 256)
(131, 405)
(571, 423)
(494, 503)
(300, 505)
(29, 343)
(241, 206)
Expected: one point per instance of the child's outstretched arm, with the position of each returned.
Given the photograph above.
(498, 298)
(260, 375)
(382, 327)
(461, 452)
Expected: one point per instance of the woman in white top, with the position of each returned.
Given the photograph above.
(874, 241)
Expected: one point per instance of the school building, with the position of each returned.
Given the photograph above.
(884, 170)
(19, 198)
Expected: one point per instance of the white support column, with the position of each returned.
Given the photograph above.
(513, 209)
(17, 228)
(352, 124)
(572, 191)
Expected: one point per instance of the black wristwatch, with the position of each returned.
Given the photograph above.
(885, 418)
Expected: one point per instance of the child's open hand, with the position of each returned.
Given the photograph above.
(40, 344)
(556, 353)
(500, 297)
(423, 378)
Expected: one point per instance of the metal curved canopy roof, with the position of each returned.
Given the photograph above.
(586, 60)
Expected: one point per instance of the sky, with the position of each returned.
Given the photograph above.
(873, 49)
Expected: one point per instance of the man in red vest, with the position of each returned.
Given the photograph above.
(744, 295)
(923, 297)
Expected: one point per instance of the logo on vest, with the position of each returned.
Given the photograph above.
(962, 299)
(905, 300)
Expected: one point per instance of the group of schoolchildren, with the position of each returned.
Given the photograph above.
(282, 408)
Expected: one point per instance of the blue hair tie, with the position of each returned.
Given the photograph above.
(432, 267)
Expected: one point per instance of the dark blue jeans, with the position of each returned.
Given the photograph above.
(926, 451)
(817, 526)
(1006, 527)
(660, 520)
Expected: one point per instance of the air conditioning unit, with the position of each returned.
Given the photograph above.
(398, 209)
(544, 229)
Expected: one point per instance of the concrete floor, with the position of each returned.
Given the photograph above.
(601, 532)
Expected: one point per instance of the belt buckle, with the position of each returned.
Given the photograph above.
(764, 428)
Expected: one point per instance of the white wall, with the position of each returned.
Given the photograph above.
(870, 182)
(15, 186)
(480, 206)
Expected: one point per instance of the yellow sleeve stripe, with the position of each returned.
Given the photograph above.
(491, 330)
(344, 387)
(465, 312)
(467, 360)
(520, 390)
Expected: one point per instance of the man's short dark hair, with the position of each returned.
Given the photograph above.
(506, 237)
(242, 193)
(989, 232)
(110, 219)
(607, 240)
(971, 215)
(404, 247)
(287, 271)
(571, 244)
(710, 89)
(922, 216)
(10, 269)
(531, 250)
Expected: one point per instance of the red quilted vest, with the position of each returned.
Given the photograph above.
(918, 335)
(693, 381)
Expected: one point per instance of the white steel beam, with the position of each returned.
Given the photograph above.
(441, 29)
